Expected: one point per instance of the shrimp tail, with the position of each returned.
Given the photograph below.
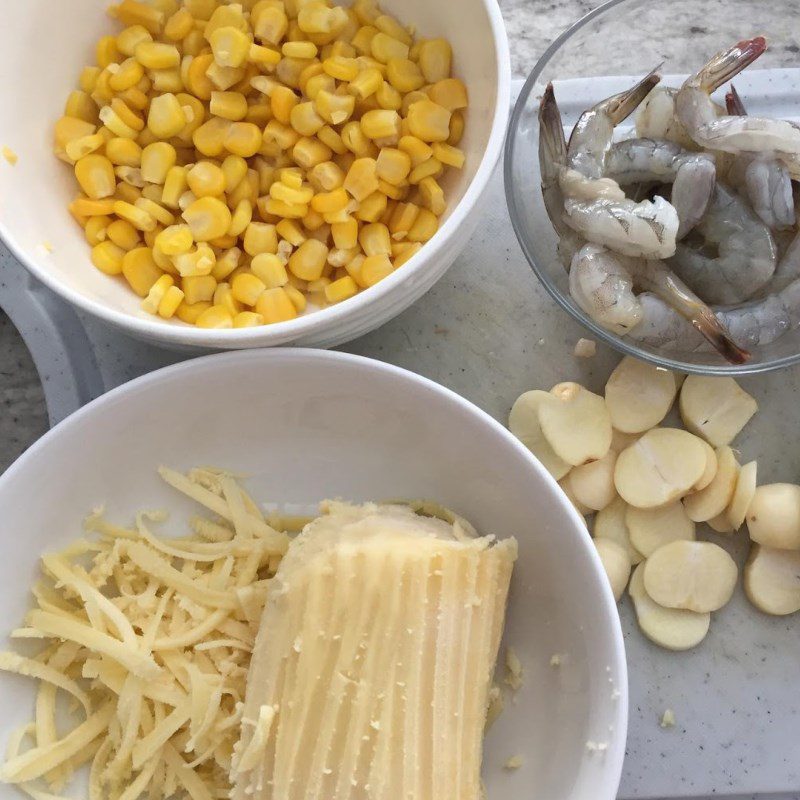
(733, 103)
(672, 290)
(729, 63)
(552, 143)
(622, 105)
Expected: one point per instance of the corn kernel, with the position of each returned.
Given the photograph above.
(230, 46)
(425, 225)
(166, 117)
(305, 120)
(194, 43)
(157, 160)
(174, 187)
(355, 140)
(208, 218)
(133, 12)
(155, 210)
(106, 51)
(435, 59)
(456, 128)
(197, 262)
(384, 48)
(156, 294)
(242, 217)
(170, 302)
(197, 79)
(260, 237)
(140, 270)
(362, 41)
(175, 240)
(275, 305)
(402, 219)
(189, 312)
(81, 106)
(296, 297)
(362, 178)
(417, 150)
(312, 85)
(108, 257)
(353, 269)
(281, 191)
(179, 25)
(264, 56)
(234, 168)
(308, 261)
(326, 202)
(96, 229)
(326, 176)
(341, 68)
(206, 179)
(243, 139)
(215, 317)
(79, 148)
(341, 289)
(123, 234)
(282, 102)
(299, 49)
(309, 152)
(334, 108)
(247, 319)
(247, 288)
(375, 240)
(428, 169)
(210, 137)
(84, 207)
(223, 78)
(409, 249)
(372, 208)
(429, 121)
(375, 268)
(130, 175)
(226, 16)
(449, 155)
(345, 234)
(449, 93)
(96, 177)
(366, 83)
(278, 137)
(432, 195)
(227, 263)
(270, 270)
(157, 55)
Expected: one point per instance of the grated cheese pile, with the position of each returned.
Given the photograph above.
(149, 638)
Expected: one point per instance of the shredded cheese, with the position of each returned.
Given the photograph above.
(151, 644)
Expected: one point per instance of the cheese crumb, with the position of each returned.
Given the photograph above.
(495, 706)
(555, 660)
(515, 762)
(668, 719)
(513, 669)
(596, 747)
(585, 348)
(10, 156)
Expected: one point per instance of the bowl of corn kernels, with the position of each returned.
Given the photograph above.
(227, 175)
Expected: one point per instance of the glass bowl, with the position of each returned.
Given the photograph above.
(629, 38)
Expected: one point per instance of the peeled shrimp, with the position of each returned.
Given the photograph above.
(693, 175)
(732, 134)
(743, 256)
(593, 207)
(765, 179)
(656, 118)
(602, 284)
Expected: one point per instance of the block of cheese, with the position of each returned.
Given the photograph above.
(372, 667)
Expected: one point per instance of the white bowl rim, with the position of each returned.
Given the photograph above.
(315, 322)
(614, 756)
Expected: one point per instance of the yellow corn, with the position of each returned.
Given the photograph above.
(241, 218)
(166, 117)
(456, 128)
(341, 68)
(170, 302)
(408, 250)
(404, 75)
(215, 317)
(375, 240)
(314, 84)
(353, 269)
(198, 288)
(388, 97)
(326, 202)
(80, 105)
(334, 108)
(230, 46)
(449, 93)
(345, 234)
(206, 179)
(375, 268)
(234, 168)
(108, 257)
(96, 177)
(210, 137)
(435, 59)
(243, 139)
(247, 288)
(384, 48)
(296, 297)
(372, 208)
(391, 27)
(79, 148)
(448, 155)
(331, 139)
(270, 270)
(417, 150)
(127, 193)
(282, 102)
(355, 140)
(189, 312)
(341, 289)
(84, 207)
(305, 120)
(67, 130)
(393, 165)
(308, 261)
(227, 263)
(225, 16)
(275, 305)
(96, 230)
(174, 186)
(309, 152)
(403, 217)
(281, 191)
(425, 225)
(175, 240)
(260, 237)
(428, 169)
(366, 83)
(271, 24)
(432, 195)
(106, 51)
(247, 319)
(140, 270)
(208, 218)
(133, 12)
(224, 78)
(156, 294)
(157, 160)
(179, 25)
(197, 262)
(299, 49)
(197, 80)
(326, 176)
(155, 210)
(157, 55)
(289, 230)
(264, 56)
(123, 234)
(429, 121)
(362, 178)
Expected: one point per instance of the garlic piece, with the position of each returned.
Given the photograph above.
(713, 500)
(772, 580)
(652, 528)
(616, 563)
(715, 408)
(523, 422)
(639, 395)
(773, 517)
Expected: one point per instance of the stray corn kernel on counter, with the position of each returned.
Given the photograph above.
(240, 163)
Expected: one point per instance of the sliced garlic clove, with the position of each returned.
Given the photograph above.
(715, 408)
(773, 516)
(616, 563)
(567, 489)
(671, 628)
(713, 500)
(652, 528)
(742, 495)
(660, 467)
(639, 395)
(772, 580)
(710, 470)
(592, 484)
(576, 424)
(523, 422)
(720, 523)
(610, 524)
(694, 576)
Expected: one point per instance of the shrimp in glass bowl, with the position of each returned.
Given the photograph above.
(659, 212)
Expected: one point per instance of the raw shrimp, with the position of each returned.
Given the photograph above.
(733, 134)
(737, 255)
(693, 175)
(602, 284)
(764, 179)
(593, 207)
(656, 118)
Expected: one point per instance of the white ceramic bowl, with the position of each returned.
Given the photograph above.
(34, 194)
(307, 425)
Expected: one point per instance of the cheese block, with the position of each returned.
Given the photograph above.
(371, 671)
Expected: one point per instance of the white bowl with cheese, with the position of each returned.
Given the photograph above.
(305, 425)
(35, 223)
